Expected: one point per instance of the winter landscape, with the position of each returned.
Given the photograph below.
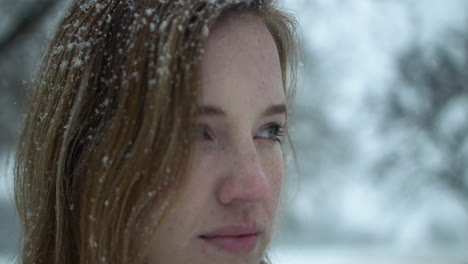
(380, 129)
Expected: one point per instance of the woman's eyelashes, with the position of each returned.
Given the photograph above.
(272, 131)
(203, 132)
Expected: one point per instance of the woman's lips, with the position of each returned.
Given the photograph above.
(233, 239)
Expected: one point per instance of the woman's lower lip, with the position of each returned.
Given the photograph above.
(233, 244)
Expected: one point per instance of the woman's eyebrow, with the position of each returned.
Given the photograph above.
(276, 110)
(211, 110)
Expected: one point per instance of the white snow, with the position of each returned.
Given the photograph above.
(163, 26)
(205, 31)
(149, 11)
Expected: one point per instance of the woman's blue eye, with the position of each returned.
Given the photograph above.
(273, 132)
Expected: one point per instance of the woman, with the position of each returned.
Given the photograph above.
(155, 133)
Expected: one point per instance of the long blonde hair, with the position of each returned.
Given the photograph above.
(105, 134)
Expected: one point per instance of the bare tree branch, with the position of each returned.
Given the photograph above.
(26, 23)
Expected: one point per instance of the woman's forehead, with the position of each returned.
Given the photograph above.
(241, 62)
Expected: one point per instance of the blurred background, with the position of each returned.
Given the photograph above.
(380, 128)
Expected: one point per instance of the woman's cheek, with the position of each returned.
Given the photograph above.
(271, 156)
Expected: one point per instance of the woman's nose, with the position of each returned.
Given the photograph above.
(246, 180)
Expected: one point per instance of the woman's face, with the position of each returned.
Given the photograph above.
(225, 214)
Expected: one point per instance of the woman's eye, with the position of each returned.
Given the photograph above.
(203, 132)
(273, 132)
